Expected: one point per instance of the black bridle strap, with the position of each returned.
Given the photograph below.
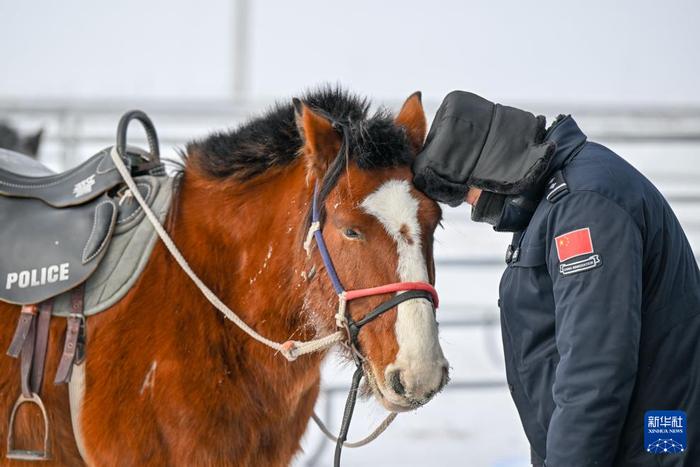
(347, 414)
(383, 307)
(391, 303)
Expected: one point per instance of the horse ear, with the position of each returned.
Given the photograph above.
(412, 119)
(321, 140)
(31, 142)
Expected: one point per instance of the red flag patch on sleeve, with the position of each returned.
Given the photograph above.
(574, 243)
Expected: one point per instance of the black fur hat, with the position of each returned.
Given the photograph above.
(476, 143)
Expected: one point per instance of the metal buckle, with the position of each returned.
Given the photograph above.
(24, 454)
(341, 321)
(79, 316)
(30, 309)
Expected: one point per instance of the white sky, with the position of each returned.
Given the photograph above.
(630, 52)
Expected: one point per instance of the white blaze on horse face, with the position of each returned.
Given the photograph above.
(419, 359)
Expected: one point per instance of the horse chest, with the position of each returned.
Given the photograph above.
(240, 423)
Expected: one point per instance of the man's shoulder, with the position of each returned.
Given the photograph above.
(596, 181)
(597, 169)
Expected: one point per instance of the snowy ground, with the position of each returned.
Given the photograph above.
(478, 427)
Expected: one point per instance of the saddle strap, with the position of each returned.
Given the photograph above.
(24, 324)
(27, 356)
(30, 343)
(74, 342)
(41, 344)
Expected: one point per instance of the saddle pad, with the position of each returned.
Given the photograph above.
(128, 251)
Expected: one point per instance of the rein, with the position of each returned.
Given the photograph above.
(348, 328)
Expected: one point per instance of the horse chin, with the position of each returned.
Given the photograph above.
(391, 402)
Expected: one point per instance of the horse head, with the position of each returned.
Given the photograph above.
(378, 229)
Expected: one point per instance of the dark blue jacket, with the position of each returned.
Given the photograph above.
(594, 340)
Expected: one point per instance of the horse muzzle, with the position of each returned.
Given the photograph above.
(405, 389)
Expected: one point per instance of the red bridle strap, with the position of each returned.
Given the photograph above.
(390, 288)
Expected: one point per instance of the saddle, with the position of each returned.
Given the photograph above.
(57, 230)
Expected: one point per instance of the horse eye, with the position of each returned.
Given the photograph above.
(352, 234)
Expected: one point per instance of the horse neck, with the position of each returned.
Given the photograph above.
(245, 241)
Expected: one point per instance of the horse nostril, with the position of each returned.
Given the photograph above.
(395, 382)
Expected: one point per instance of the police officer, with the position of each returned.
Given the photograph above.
(600, 301)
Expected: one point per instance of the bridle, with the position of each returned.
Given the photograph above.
(343, 319)
(349, 329)
(413, 290)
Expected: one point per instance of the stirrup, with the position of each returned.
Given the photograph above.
(22, 454)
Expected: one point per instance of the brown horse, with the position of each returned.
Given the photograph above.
(169, 381)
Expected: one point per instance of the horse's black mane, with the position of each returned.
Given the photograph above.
(273, 140)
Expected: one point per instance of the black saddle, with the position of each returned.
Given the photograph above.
(56, 227)
(54, 231)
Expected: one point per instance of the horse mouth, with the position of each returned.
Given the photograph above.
(391, 401)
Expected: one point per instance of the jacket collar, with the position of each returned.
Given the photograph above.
(568, 137)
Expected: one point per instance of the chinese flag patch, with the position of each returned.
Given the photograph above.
(574, 243)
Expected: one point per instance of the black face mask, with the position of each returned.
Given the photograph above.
(506, 213)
